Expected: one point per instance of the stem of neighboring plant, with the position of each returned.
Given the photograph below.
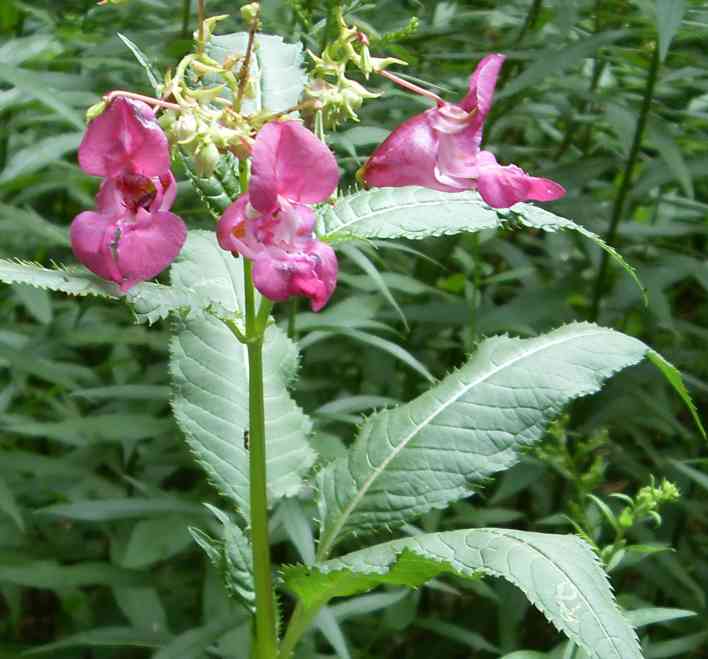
(201, 16)
(531, 17)
(266, 640)
(243, 74)
(626, 183)
(186, 11)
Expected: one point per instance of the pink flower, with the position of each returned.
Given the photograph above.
(273, 223)
(131, 236)
(440, 149)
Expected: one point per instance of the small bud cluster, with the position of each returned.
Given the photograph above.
(647, 501)
(338, 96)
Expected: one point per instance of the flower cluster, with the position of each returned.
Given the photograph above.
(273, 223)
(132, 235)
(440, 149)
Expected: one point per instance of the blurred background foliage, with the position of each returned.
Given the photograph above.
(97, 488)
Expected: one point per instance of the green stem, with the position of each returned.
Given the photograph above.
(267, 644)
(298, 625)
(186, 13)
(626, 183)
(292, 314)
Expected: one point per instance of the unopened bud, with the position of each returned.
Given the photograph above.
(206, 158)
(95, 110)
(251, 13)
(185, 128)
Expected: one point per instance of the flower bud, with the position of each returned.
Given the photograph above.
(185, 128)
(251, 13)
(206, 158)
(95, 110)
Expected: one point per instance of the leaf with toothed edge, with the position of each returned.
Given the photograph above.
(559, 574)
(413, 212)
(209, 370)
(435, 449)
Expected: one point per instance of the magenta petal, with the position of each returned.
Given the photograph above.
(126, 138)
(319, 283)
(272, 274)
(481, 85)
(147, 245)
(288, 160)
(543, 189)
(233, 231)
(92, 237)
(406, 157)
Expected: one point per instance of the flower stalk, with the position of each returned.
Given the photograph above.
(266, 645)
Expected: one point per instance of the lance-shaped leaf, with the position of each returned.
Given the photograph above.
(436, 448)
(210, 379)
(558, 573)
(415, 213)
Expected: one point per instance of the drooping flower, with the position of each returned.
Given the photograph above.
(440, 149)
(273, 223)
(132, 235)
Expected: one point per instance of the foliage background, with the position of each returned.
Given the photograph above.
(97, 488)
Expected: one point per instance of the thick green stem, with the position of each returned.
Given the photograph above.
(267, 643)
(626, 183)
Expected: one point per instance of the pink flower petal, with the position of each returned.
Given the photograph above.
(147, 245)
(311, 272)
(126, 138)
(407, 157)
(93, 238)
(503, 186)
(481, 85)
(288, 160)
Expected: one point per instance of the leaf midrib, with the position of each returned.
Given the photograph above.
(328, 540)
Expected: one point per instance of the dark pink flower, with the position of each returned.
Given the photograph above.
(132, 235)
(440, 149)
(273, 223)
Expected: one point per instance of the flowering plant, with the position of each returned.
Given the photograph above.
(250, 128)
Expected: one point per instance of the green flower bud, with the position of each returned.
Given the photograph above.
(250, 13)
(95, 110)
(206, 158)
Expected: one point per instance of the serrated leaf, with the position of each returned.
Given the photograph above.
(232, 556)
(276, 73)
(435, 449)
(218, 190)
(71, 280)
(559, 574)
(413, 212)
(210, 379)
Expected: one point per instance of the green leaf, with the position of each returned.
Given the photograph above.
(433, 450)
(154, 540)
(414, 213)
(276, 69)
(210, 379)
(39, 154)
(232, 556)
(559, 574)
(8, 505)
(107, 510)
(673, 375)
(52, 576)
(669, 14)
(107, 637)
(192, 644)
(653, 615)
(408, 212)
(39, 87)
(218, 190)
(144, 61)
(71, 280)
